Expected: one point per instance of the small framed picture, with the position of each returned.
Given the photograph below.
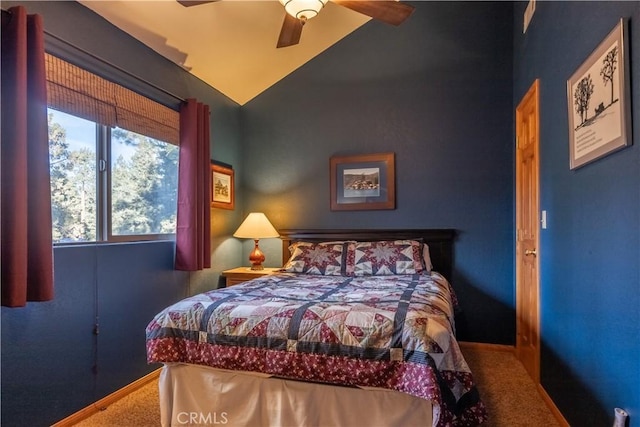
(598, 97)
(363, 182)
(222, 187)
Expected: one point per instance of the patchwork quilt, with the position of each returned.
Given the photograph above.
(394, 332)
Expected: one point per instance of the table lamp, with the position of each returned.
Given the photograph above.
(256, 226)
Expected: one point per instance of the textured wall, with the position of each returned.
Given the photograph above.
(590, 252)
(437, 91)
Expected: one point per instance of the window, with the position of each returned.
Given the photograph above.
(144, 184)
(108, 183)
(113, 157)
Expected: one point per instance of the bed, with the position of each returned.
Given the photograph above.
(358, 329)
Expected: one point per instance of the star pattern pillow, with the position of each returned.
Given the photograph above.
(329, 259)
(388, 257)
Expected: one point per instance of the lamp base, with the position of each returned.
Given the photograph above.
(256, 257)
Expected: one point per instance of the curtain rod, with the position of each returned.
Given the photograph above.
(104, 61)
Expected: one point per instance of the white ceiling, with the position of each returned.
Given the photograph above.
(229, 44)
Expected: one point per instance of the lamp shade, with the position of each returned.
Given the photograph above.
(306, 9)
(256, 226)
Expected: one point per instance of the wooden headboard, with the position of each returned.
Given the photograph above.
(440, 241)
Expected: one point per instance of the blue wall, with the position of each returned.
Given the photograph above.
(49, 351)
(590, 252)
(437, 91)
(52, 363)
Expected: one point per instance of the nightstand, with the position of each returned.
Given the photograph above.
(242, 274)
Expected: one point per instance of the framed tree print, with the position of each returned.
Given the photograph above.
(598, 96)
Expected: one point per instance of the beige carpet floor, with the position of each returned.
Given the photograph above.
(509, 394)
(507, 391)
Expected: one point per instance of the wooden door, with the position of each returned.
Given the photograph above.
(527, 223)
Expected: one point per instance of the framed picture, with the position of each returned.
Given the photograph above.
(364, 182)
(222, 187)
(598, 96)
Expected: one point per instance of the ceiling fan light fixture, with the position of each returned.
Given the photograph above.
(303, 9)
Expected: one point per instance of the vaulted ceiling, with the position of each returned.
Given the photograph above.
(229, 44)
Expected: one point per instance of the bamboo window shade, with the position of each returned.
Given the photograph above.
(81, 93)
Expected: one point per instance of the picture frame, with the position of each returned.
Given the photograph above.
(223, 192)
(363, 182)
(598, 97)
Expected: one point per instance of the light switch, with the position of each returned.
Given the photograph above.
(543, 220)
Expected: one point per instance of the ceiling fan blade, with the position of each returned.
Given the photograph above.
(187, 3)
(391, 12)
(291, 31)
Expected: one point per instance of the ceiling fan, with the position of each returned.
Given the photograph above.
(299, 11)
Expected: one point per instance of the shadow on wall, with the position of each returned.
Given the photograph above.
(480, 317)
(573, 398)
(476, 321)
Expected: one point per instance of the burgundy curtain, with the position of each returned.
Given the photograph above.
(27, 249)
(193, 244)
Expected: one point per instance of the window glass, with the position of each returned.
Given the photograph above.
(72, 159)
(143, 184)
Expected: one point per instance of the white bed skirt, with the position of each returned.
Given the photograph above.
(192, 395)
